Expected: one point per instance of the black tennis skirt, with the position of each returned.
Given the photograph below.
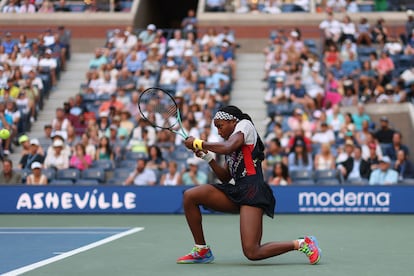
(252, 191)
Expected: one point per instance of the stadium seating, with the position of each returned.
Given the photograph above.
(68, 174)
(97, 174)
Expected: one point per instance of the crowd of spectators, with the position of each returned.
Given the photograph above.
(306, 88)
(48, 6)
(282, 6)
(101, 128)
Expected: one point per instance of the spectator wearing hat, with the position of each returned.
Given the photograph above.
(103, 122)
(8, 175)
(169, 75)
(47, 61)
(385, 133)
(36, 177)
(32, 156)
(6, 121)
(58, 159)
(141, 176)
(147, 36)
(193, 175)
(384, 175)
(392, 150)
(354, 167)
(11, 90)
(126, 122)
(300, 158)
(131, 38)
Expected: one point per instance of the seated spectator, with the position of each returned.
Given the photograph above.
(274, 154)
(193, 176)
(147, 36)
(385, 133)
(336, 5)
(278, 94)
(298, 94)
(300, 121)
(324, 160)
(403, 165)
(61, 6)
(99, 59)
(48, 61)
(336, 120)
(27, 7)
(331, 29)
(299, 158)
(58, 159)
(380, 32)
(11, 7)
(354, 167)
(189, 23)
(141, 176)
(348, 29)
(301, 5)
(215, 5)
(350, 97)
(360, 116)
(392, 150)
(80, 159)
(7, 175)
(104, 150)
(125, 80)
(32, 156)
(324, 135)
(299, 134)
(314, 85)
(384, 175)
(36, 177)
(393, 46)
(280, 175)
(364, 32)
(172, 177)
(177, 45)
(170, 74)
(113, 102)
(46, 7)
(155, 160)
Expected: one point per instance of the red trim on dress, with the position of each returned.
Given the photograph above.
(248, 159)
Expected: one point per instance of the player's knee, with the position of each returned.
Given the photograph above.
(189, 196)
(251, 253)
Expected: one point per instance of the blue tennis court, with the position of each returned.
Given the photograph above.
(25, 249)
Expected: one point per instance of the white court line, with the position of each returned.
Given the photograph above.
(33, 266)
(57, 233)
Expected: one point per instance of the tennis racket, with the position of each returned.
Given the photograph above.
(160, 109)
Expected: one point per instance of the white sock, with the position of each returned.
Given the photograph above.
(201, 246)
(301, 241)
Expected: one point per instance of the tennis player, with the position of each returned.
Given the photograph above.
(248, 194)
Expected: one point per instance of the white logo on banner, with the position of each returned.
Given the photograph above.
(92, 200)
(342, 201)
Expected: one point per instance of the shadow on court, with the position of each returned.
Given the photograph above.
(352, 245)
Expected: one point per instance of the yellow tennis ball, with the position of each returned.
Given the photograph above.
(4, 134)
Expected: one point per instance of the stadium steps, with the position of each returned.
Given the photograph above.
(247, 91)
(67, 86)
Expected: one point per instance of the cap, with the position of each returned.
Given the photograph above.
(8, 34)
(316, 67)
(114, 127)
(385, 159)
(349, 143)
(61, 134)
(151, 27)
(348, 82)
(280, 79)
(170, 53)
(299, 142)
(103, 114)
(1, 68)
(384, 119)
(57, 143)
(188, 53)
(317, 114)
(225, 44)
(389, 87)
(23, 139)
(36, 165)
(34, 141)
(116, 118)
(170, 63)
(294, 33)
(299, 111)
(192, 161)
(48, 51)
(348, 41)
(410, 13)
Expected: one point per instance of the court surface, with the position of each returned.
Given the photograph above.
(149, 245)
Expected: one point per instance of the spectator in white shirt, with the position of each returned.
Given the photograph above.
(106, 85)
(177, 44)
(331, 28)
(170, 74)
(12, 7)
(49, 62)
(325, 135)
(336, 5)
(59, 158)
(28, 62)
(27, 7)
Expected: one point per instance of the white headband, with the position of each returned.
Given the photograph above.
(222, 115)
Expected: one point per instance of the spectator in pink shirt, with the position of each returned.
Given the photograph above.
(80, 160)
(385, 67)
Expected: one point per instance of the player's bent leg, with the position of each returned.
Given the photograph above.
(209, 197)
(251, 226)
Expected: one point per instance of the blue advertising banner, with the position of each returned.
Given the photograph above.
(168, 200)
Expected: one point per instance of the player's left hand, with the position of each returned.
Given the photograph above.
(189, 142)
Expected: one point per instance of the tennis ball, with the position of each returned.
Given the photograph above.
(4, 134)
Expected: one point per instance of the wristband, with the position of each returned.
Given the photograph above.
(207, 157)
(198, 144)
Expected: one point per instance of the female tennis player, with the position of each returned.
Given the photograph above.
(248, 194)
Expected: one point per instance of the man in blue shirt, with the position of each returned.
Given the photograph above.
(384, 175)
(8, 43)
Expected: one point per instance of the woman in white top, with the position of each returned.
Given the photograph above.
(36, 177)
(324, 160)
(172, 177)
(58, 158)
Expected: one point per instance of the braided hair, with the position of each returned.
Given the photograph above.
(236, 112)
